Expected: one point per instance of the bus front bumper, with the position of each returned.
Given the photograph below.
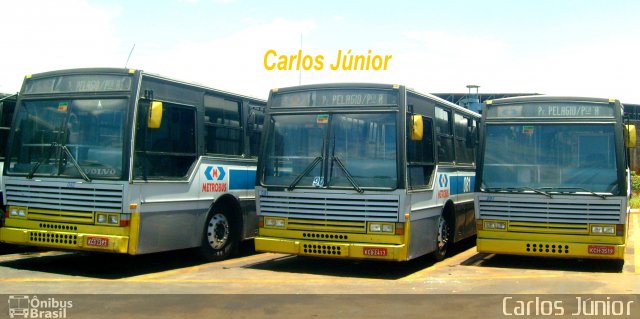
(65, 240)
(552, 247)
(344, 250)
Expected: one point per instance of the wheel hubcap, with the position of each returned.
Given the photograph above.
(218, 231)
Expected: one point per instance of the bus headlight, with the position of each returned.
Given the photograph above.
(381, 228)
(274, 222)
(603, 229)
(108, 219)
(114, 220)
(494, 225)
(18, 212)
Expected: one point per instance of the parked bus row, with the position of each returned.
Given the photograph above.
(123, 161)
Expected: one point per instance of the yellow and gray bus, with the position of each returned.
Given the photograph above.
(123, 161)
(553, 177)
(365, 171)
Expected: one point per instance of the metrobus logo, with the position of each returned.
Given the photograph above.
(443, 181)
(216, 175)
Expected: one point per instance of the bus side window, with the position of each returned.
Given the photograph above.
(170, 150)
(465, 148)
(255, 125)
(420, 157)
(444, 135)
(6, 114)
(223, 128)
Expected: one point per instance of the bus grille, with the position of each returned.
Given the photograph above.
(327, 225)
(551, 211)
(330, 207)
(60, 202)
(326, 236)
(547, 248)
(59, 239)
(320, 249)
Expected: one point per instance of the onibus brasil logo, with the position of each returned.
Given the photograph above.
(31, 307)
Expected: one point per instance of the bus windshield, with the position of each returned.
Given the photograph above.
(58, 137)
(332, 150)
(550, 157)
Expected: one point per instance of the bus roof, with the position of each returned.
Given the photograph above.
(132, 71)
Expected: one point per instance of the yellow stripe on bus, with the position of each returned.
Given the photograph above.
(134, 233)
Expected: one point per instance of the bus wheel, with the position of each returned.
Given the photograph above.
(442, 239)
(219, 239)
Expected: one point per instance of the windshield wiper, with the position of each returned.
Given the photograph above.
(517, 189)
(538, 191)
(346, 173)
(53, 146)
(311, 166)
(75, 163)
(33, 171)
(577, 188)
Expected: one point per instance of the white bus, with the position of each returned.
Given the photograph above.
(118, 160)
(365, 171)
(7, 104)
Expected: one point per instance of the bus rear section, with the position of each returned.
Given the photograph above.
(553, 178)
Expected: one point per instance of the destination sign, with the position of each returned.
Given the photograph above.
(335, 98)
(551, 110)
(78, 83)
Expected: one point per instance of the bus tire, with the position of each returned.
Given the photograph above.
(443, 239)
(220, 238)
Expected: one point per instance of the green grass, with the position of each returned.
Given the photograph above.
(635, 201)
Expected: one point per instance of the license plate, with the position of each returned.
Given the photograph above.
(601, 250)
(374, 251)
(98, 241)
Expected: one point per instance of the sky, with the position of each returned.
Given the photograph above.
(558, 47)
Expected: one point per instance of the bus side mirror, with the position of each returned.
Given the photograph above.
(416, 129)
(630, 136)
(155, 115)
